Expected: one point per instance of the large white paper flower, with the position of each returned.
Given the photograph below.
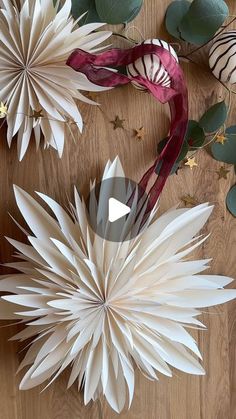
(103, 307)
(35, 43)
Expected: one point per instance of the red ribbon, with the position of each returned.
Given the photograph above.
(93, 67)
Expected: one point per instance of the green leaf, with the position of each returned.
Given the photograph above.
(79, 7)
(214, 118)
(182, 155)
(183, 152)
(226, 152)
(161, 145)
(173, 171)
(231, 201)
(118, 11)
(195, 135)
(203, 20)
(174, 15)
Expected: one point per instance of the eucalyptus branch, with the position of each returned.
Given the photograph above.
(214, 136)
(205, 145)
(212, 39)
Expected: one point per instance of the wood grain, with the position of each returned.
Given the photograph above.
(183, 397)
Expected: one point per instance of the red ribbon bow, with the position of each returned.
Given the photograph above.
(93, 67)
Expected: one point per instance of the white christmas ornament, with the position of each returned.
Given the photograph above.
(40, 90)
(222, 57)
(150, 66)
(105, 308)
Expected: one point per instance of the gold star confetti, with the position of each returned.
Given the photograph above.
(191, 163)
(223, 173)
(3, 110)
(189, 201)
(221, 139)
(37, 114)
(118, 123)
(140, 134)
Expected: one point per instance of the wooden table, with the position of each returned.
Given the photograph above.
(183, 397)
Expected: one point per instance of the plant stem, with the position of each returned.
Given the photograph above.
(132, 41)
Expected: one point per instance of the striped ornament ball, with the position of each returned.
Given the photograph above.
(222, 58)
(150, 66)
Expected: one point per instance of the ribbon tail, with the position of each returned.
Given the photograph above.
(167, 159)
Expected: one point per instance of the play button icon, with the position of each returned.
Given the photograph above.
(117, 208)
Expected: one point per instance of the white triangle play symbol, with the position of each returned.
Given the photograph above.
(117, 210)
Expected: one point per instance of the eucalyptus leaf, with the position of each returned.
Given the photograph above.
(195, 135)
(79, 7)
(203, 20)
(173, 171)
(226, 152)
(183, 152)
(161, 145)
(174, 15)
(231, 201)
(214, 117)
(175, 168)
(118, 11)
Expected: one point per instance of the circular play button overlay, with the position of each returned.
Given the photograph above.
(118, 209)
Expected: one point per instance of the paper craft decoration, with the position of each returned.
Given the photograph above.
(38, 87)
(107, 308)
(151, 67)
(222, 58)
